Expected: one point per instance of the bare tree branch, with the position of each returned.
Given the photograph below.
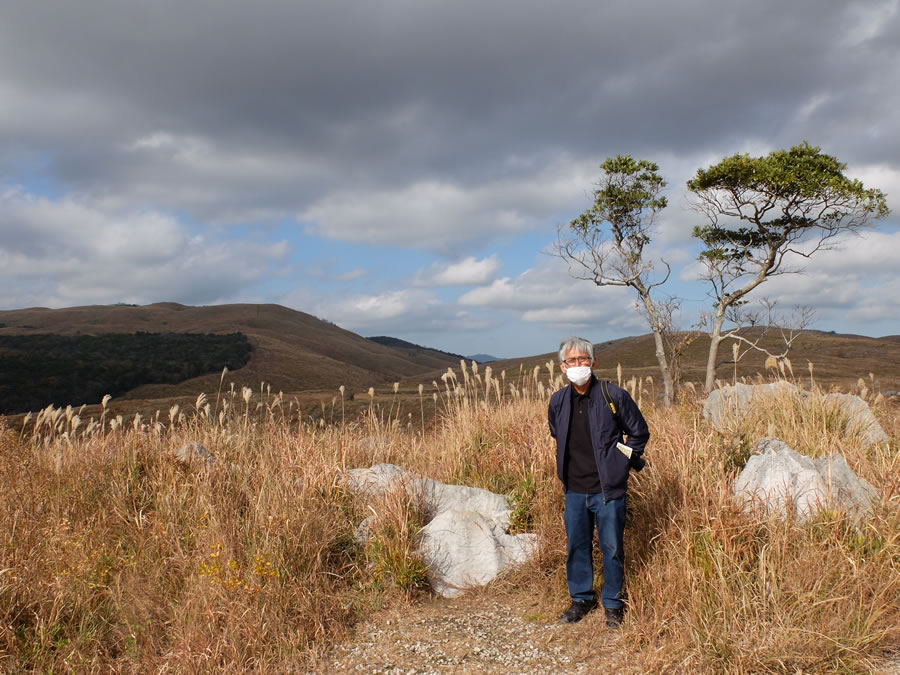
(606, 243)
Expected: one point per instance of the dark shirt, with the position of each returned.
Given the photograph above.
(581, 466)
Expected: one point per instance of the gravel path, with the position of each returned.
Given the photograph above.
(485, 633)
(477, 634)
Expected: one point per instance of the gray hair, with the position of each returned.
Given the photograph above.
(576, 343)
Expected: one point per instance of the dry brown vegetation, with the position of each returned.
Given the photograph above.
(303, 356)
(113, 556)
(294, 351)
(839, 359)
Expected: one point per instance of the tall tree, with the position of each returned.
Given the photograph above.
(765, 213)
(605, 244)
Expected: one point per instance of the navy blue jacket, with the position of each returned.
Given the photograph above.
(606, 430)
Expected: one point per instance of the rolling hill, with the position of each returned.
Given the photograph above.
(292, 351)
(298, 353)
(837, 359)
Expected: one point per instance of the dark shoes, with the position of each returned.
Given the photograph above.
(581, 608)
(578, 610)
(615, 617)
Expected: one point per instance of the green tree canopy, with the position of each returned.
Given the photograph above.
(759, 207)
(605, 244)
(762, 211)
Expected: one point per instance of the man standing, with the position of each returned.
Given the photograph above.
(588, 419)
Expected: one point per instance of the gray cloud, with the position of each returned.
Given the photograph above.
(327, 93)
(139, 133)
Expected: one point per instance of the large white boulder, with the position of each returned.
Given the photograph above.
(435, 497)
(729, 406)
(859, 417)
(378, 480)
(440, 497)
(464, 549)
(465, 541)
(779, 478)
(731, 403)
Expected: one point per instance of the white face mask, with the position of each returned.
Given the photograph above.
(578, 375)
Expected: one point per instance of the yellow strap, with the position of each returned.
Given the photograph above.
(605, 389)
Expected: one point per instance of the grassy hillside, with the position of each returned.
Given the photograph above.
(309, 359)
(414, 350)
(293, 351)
(838, 359)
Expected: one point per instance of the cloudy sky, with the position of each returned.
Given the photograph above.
(400, 167)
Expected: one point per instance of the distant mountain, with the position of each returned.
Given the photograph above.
(304, 356)
(482, 358)
(837, 359)
(292, 351)
(415, 351)
(419, 351)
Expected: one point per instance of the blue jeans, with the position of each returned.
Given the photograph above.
(582, 512)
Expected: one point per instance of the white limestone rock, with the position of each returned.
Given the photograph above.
(860, 417)
(440, 497)
(729, 405)
(463, 549)
(435, 496)
(732, 402)
(378, 480)
(779, 478)
(465, 541)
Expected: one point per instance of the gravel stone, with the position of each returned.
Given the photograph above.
(467, 635)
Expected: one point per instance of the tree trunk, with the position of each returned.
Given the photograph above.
(668, 383)
(665, 371)
(714, 340)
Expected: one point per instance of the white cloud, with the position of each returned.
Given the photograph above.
(855, 285)
(405, 313)
(443, 215)
(860, 272)
(547, 294)
(573, 314)
(154, 141)
(352, 275)
(673, 255)
(65, 252)
(467, 272)
(544, 295)
(508, 293)
(880, 176)
(359, 311)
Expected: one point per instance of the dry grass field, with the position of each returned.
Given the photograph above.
(115, 557)
(304, 357)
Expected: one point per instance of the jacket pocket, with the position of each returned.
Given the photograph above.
(617, 467)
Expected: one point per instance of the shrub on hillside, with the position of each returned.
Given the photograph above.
(37, 370)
